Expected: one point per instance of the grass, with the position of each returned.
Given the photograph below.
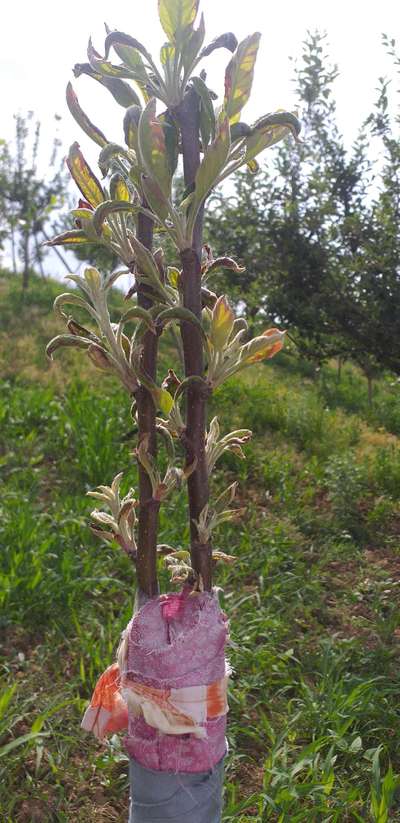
(312, 598)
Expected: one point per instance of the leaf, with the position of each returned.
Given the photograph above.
(68, 340)
(240, 130)
(121, 91)
(104, 67)
(83, 176)
(239, 75)
(176, 16)
(173, 275)
(221, 323)
(109, 153)
(211, 166)
(137, 313)
(224, 41)
(164, 400)
(111, 207)
(129, 47)
(19, 741)
(191, 46)
(171, 136)
(67, 298)
(118, 188)
(82, 119)
(262, 347)
(100, 357)
(144, 259)
(69, 238)
(207, 116)
(153, 149)
(224, 263)
(155, 198)
(131, 126)
(181, 315)
(268, 131)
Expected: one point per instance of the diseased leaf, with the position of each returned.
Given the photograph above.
(121, 91)
(83, 176)
(82, 119)
(118, 188)
(224, 41)
(176, 16)
(153, 149)
(69, 238)
(239, 75)
(263, 347)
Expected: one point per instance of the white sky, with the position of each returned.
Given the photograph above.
(42, 40)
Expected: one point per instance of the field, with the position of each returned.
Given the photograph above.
(313, 598)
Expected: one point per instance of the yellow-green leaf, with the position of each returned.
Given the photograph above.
(239, 75)
(176, 16)
(82, 119)
(173, 275)
(165, 401)
(221, 323)
(153, 149)
(83, 176)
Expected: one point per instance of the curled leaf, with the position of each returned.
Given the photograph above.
(224, 263)
(270, 130)
(82, 119)
(66, 340)
(224, 41)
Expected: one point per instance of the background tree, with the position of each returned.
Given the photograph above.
(28, 198)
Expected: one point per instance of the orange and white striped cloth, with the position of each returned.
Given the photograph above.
(171, 711)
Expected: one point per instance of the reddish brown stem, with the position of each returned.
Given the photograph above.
(196, 410)
(146, 563)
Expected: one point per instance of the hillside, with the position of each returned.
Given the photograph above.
(312, 597)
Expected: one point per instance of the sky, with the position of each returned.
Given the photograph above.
(42, 40)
